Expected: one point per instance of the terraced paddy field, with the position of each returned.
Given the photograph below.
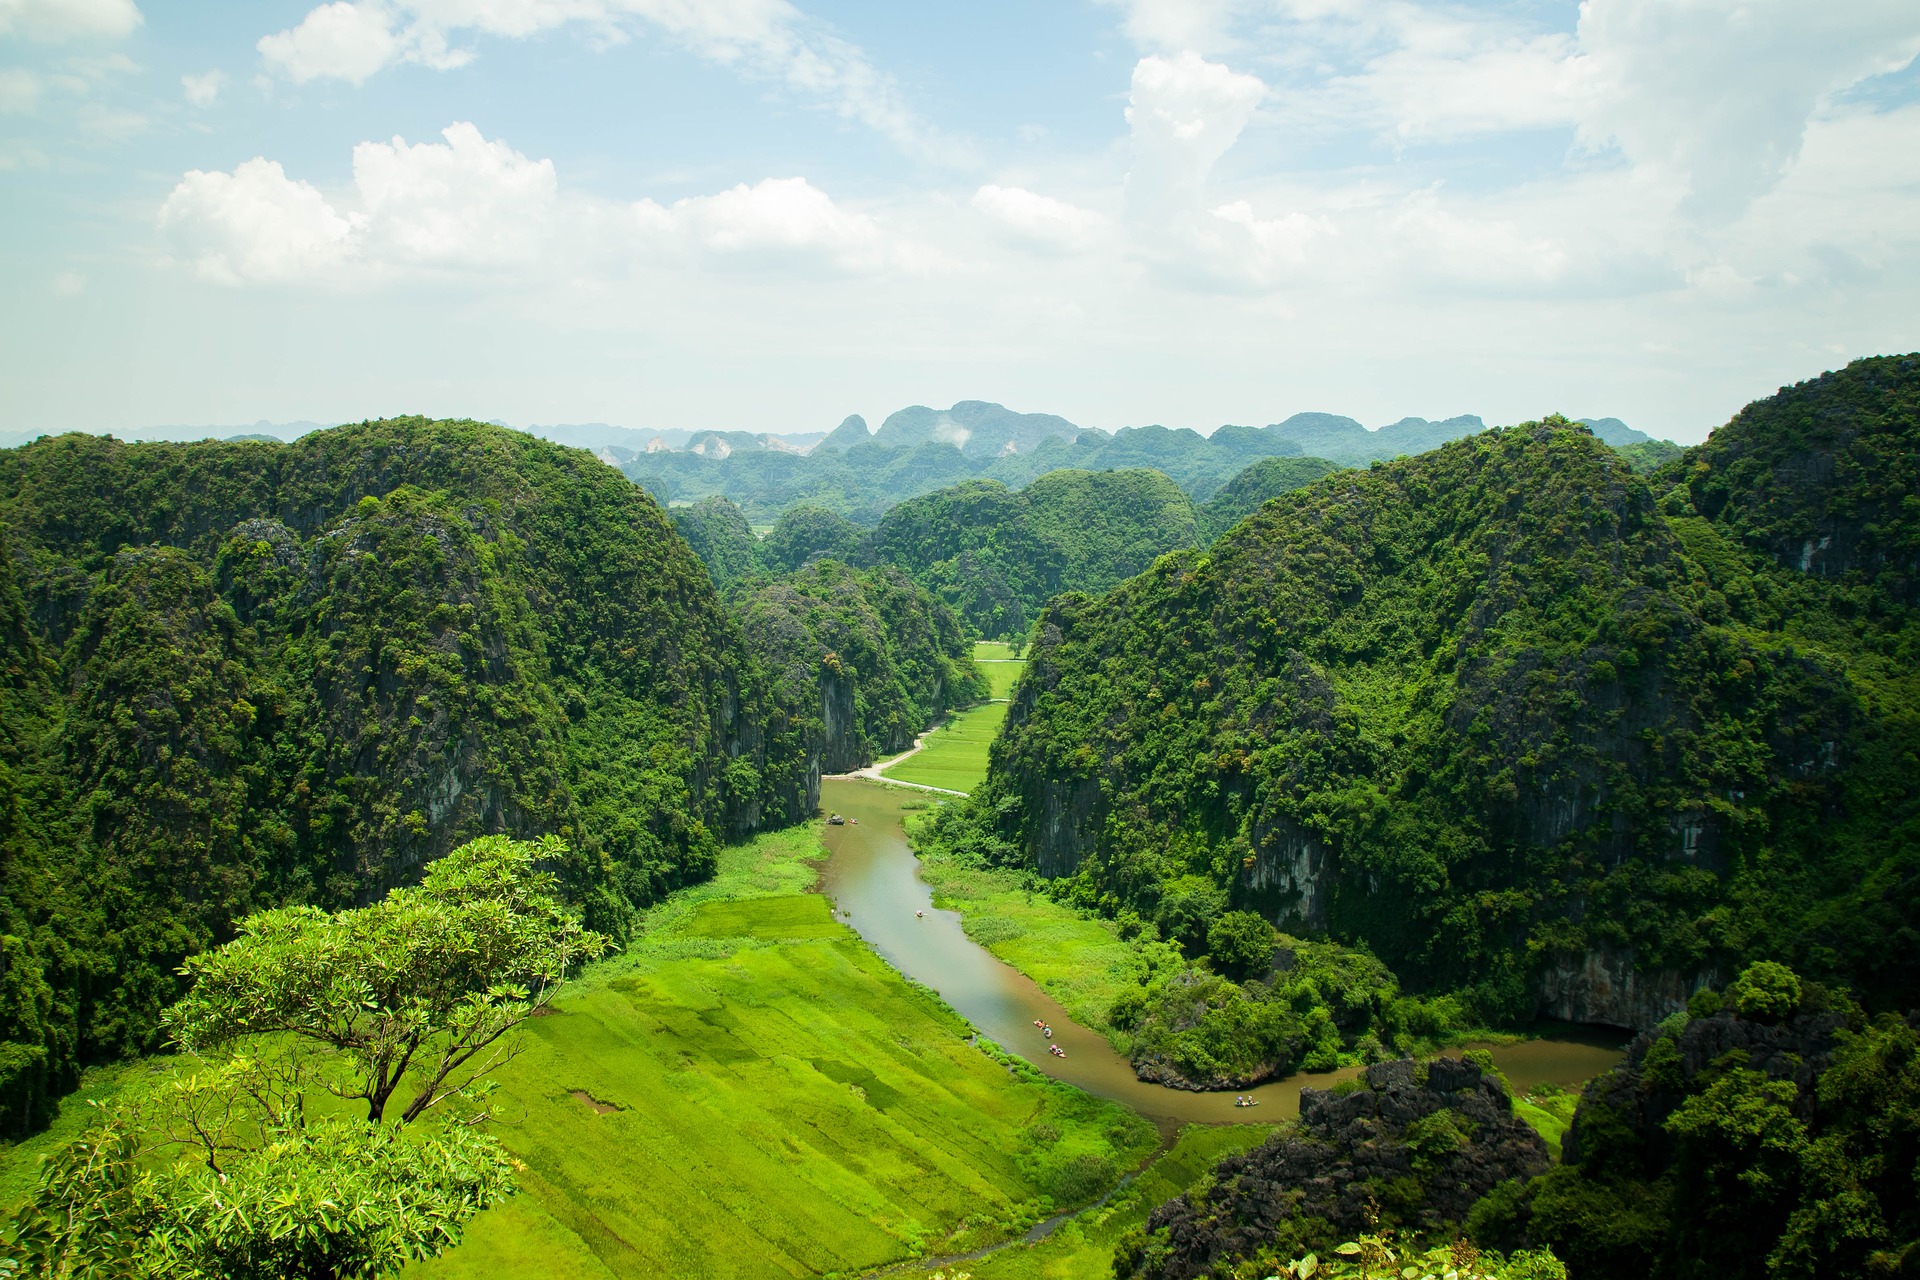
(955, 754)
(751, 1091)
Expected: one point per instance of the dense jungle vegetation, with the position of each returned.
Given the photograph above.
(863, 660)
(1537, 733)
(247, 675)
(996, 555)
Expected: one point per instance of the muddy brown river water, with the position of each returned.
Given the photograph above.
(873, 879)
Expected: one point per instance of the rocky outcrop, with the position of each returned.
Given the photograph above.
(1600, 985)
(1420, 1142)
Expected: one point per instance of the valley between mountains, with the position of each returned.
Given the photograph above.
(423, 850)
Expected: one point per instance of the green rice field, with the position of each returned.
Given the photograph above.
(751, 1091)
(1001, 665)
(955, 756)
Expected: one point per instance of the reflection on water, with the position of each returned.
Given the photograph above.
(874, 882)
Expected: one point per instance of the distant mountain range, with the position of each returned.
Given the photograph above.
(861, 473)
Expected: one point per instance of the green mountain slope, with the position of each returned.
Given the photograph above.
(1252, 488)
(721, 537)
(862, 660)
(995, 556)
(1526, 729)
(245, 674)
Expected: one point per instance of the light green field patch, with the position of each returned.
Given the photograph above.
(955, 755)
(1083, 1248)
(1000, 664)
(751, 1091)
(799, 916)
(1550, 1117)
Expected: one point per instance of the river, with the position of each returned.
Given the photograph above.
(873, 879)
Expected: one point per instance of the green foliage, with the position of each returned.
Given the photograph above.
(419, 989)
(1648, 455)
(1744, 1172)
(1318, 1009)
(242, 676)
(860, 660)
(720, 535)
(1254, 487)
(995, 555)
(808, 532)
(1766, 990)
(1240, 945)
(329, 1198)
(1500, 706)
(1380, 1256)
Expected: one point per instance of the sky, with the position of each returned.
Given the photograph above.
(764, 215)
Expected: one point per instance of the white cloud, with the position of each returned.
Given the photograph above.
(766, 39)
(54, 20)
(202, 90)
(1710, 97)
(465, 203)
(1720, 97)
(470, 205)
(103, 123)
(1040, 219)
(342, 41)
(1184, 113)
(19, 91)
(69, 284)
(256, 225)
(783, 220)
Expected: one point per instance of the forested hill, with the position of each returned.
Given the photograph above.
(1262, 481)
(865, 659)
(238, 675)
(1534, 729)
(992, 555)
(996, 556)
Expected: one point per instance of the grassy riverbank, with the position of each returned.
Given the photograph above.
(1078, 958)
(1084, 1247)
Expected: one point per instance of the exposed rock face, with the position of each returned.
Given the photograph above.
(1449, 1130)
(1602, 986)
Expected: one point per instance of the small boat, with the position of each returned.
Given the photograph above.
(835, 820)
(1048, 1031)
(1056, 1051)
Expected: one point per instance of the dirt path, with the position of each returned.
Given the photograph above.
(872, 771)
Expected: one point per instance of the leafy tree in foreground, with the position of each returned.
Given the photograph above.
(325, 1199)
(222, 1171)
(425, 982)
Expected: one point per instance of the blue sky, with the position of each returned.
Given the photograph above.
(762, 214)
